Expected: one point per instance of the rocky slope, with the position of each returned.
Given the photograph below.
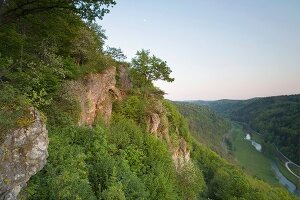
(96, 94)
(158, 124)
(22, 154)
(24, 151)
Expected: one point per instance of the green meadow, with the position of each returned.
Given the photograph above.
(254, 162)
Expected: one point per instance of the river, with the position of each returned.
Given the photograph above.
(284, 181)
(281, 178)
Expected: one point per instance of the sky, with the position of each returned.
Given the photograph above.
(216, 49)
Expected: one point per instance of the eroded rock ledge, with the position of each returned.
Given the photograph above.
(22, 154)
(95, 93)
(158, 125)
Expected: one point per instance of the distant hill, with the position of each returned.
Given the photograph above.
(206, 125)
(277, 118)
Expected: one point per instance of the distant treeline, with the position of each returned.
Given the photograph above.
(277, 118)
(206, 125)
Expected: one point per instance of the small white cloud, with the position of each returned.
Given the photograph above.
(144, 20)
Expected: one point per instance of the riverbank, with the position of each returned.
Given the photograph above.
(263, 164)
(274, 155)
(254, 162)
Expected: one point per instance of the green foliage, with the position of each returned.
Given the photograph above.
(253, 161)
(133, 108)
(44, 43)
(114, 190)
(146, 68)
(277, 118)
(38, 52)
(205, 125)
(191, 181)
(225, 181)
(13, 109)
(125, 132)
(115, 162)
(87, 9)
(135, 158)
(115, 53)
(177, 123)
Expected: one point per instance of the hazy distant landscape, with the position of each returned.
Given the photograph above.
(273, 122)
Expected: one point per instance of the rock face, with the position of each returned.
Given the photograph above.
(181, 154)
(95, 93)
(153, 122)
(22, 154)
(158, 125)
(124, 78)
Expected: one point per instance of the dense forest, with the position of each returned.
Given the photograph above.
(206, 126)
(48, 43)
(277, 118)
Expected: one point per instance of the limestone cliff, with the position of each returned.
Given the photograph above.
(22, 154)
(95, 93)
(158, 125)
(181, 154)
(124, 78)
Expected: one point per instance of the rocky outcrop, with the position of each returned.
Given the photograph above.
(22, 154)
(181, 154)
(95, 93)
(153, 123)
(124, 78)
(158, 125)
(157, 122)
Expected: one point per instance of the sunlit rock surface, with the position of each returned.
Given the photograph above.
(22, 154)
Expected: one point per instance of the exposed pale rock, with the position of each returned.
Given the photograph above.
(181, 154)
(22, 154)
(124, 79)
(158, 125)
(153, 123)
(95, 93)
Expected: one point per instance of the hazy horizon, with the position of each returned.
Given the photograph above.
(216, 49)
(232, 99)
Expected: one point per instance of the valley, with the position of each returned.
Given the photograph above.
(79, 120)
(260, 163)
(238, 143)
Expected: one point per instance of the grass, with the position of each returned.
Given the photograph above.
(287, 174)
(295, 169)
(271, 153)
(254, 162)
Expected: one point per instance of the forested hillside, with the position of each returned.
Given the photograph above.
(206, 126)
(277, 118)
(111, 133)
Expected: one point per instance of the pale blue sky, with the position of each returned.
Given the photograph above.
(216, 49)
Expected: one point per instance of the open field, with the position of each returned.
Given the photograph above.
(269, 153)
(249, 158)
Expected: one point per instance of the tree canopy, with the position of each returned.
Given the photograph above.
(115, 53)
(87, 9)
(150, 68)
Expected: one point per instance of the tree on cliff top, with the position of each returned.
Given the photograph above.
(146, 68)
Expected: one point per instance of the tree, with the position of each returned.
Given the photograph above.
(115, 188)
(88, 9)
(148, 68)
(115, 53)
(84, 45)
